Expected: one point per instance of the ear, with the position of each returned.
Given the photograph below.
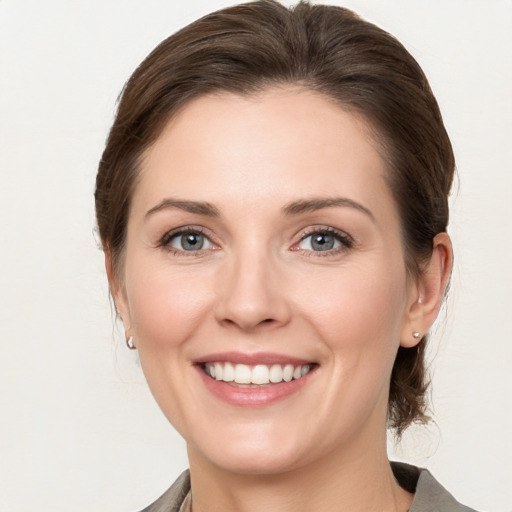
(118, 294)
(427, 295)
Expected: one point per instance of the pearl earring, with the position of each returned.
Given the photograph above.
(416, 335)
(129, 343)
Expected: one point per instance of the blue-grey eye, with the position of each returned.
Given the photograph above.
(320, 241)
(190, 241)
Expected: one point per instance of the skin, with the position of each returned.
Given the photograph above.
(258, 286)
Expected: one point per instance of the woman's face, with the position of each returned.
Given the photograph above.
(264, 246)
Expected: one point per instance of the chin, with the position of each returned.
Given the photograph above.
(255, 462)
(253, 454)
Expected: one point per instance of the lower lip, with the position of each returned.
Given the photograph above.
(259, 396)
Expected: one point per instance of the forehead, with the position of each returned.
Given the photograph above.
(279, 144)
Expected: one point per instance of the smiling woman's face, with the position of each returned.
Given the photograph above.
(264, 245)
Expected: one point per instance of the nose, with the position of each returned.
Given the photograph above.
(253, 293)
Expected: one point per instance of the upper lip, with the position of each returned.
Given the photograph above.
(251, 359)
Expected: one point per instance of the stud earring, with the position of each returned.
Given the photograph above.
(129, 343)
(416, 335)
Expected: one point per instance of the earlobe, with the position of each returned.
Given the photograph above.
(117, 293)
(429, 292)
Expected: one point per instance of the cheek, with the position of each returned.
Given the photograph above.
(358, 311)
(166, 305)
(358, 318)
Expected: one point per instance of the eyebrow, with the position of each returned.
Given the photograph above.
(311, 205)
(198, 207)
(293, 208)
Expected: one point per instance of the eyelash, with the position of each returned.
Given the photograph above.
(165, 241)
(346, 241)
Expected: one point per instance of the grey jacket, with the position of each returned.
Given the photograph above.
(429, 494)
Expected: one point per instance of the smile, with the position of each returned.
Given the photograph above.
(254, 380)
(259, 374)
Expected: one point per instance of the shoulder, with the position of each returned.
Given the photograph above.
(429, 494)
(172, 499)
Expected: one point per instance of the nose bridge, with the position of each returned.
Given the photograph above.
(251, 294)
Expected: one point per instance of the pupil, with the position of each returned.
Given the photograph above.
(192, 241)
(322, 242)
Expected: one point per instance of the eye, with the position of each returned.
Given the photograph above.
(324, 240)
(187, 241)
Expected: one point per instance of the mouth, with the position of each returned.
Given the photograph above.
(255, 375)
(256, 380)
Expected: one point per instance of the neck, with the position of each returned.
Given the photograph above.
(352, 480)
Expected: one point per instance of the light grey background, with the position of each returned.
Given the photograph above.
(78, 428)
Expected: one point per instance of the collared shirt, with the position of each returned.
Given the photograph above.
(186, 506)
(429, 494)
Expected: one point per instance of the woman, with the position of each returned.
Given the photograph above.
(272, 203)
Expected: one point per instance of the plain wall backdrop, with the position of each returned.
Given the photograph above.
(79, 430)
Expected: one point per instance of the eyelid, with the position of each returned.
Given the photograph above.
(347, 242)
(165, 240)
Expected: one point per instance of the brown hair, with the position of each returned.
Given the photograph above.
(249, 47)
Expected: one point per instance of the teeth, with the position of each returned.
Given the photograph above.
(276, 373)
(259, 374)
(288, 373)
(242, 374)
(229, 373)
(305, 370)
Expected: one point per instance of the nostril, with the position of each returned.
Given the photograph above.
(248, 325)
